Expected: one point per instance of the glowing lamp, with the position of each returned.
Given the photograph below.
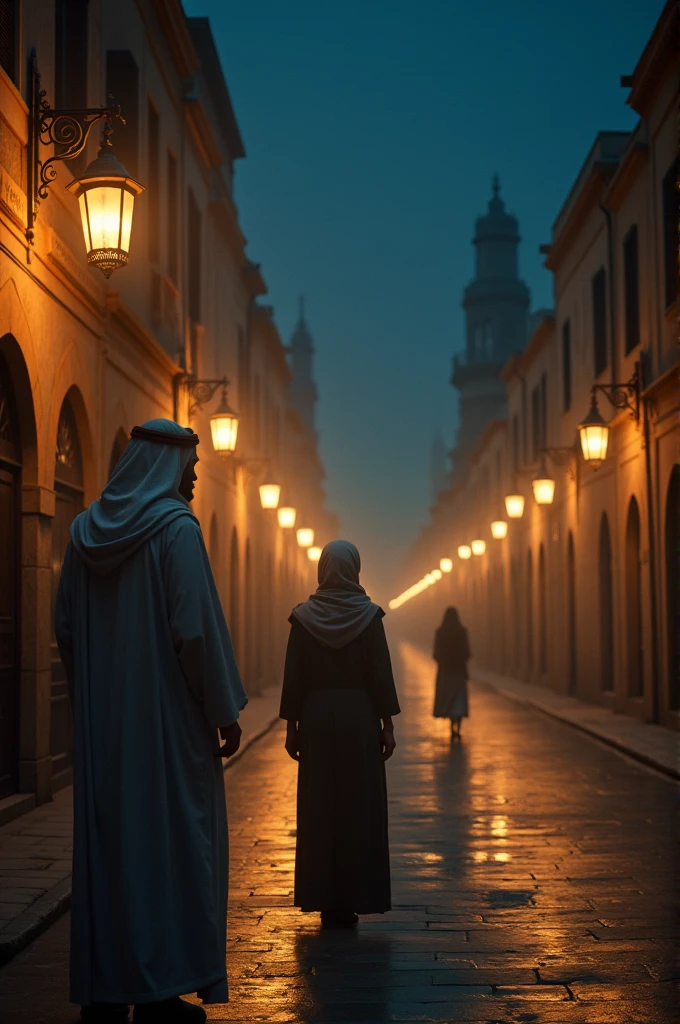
(106, 196)
(478, 547)
(430, 579)
(514, 505)
(499, 529)
(437, 573)
(313, 554)
(445, 564)
(269, 495)
(465, 552)
(543, 486)
(286, 516)
(305, 537)
(594, 434)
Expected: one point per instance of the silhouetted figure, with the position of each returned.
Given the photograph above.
(338, 700)
(451, 652)
(153, 678)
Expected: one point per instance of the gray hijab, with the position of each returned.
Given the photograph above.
(340, 609)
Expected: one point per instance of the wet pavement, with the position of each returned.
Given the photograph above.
(532, 882)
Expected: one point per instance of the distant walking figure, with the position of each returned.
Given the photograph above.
(338, 700)
(451, 652)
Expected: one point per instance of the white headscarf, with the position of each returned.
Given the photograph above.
(340, 610)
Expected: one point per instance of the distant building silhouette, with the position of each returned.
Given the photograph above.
(496, 305)
(302, 391)
(438, 463)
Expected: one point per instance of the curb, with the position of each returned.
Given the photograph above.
(20, 932)
(609, 741)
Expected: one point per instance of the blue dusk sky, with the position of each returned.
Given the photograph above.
(372, 131)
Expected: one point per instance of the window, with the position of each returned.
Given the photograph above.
(566, 365)
(194, 258)
(631, 288)
(153, 183)
(599, 285)
(535, 423)
(122, 82)
(70, 53)
(172, 218)
(9, 26)
(670, 232)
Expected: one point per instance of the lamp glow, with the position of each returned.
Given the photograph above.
(465, 552)
(445, 564)
(514, 505)
(478, 547)
(305, 537)
(430, 579)
(313, 554)
(269, 495)
(106, 196)
(224, 426)
(499, 529)
(286, 516)
(594, 434)
(437, 573)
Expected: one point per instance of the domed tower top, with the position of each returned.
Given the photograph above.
(301, 339)
(496, 240)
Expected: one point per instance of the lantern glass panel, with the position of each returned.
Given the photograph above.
(224, 430)
(445, 564)
(478, 547)
(286, 517)
(514, 505)
(464, 551)
(126, 226)
(594, 442)
(269, 495)
(104, 215)
(544, 491)
(499, 529)
(305, 537)
(313, 554)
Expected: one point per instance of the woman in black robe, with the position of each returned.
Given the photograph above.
(451, 652)
(338, 700)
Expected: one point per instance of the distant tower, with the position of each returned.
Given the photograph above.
(302, 390)
(438, 463)
(496, 305)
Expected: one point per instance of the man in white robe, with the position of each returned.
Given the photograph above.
(153, 679)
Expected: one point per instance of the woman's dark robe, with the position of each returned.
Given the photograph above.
(337, 697)
(451, 652)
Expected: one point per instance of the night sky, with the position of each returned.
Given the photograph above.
(372, 131)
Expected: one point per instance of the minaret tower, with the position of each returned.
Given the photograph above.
(496, 305)
(302, 390)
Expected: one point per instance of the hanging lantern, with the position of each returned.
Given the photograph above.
(269, 495)
(286, 516)
(106, 195)
(313, 554)
(543, 486)
(514, 505)
(437, 573)
(445, 564)
(305, 537)
(429, 579)
(465, 552)
(499, 529)
(478, 547)
(224, 426)
(594, 434)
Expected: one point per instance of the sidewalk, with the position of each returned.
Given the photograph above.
(653, 745)
(35, 849)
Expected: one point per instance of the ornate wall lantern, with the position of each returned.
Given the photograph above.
(499, 529)
(269, 495)
(286, 515)
(514, 505)
(445, 564)
(543, 485)
(313, 554)
(478, 546)
(464, 552)
(593, 430)
(305, 537)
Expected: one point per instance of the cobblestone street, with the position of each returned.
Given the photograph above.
(532, 881)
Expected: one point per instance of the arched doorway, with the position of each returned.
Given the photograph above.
(634, 653)
(672, 551)
(571, 612)
(119, 445)
(606, 594)
(542, 615)
(234, 623)
(68, 486)
(10, 569)
(530, 616)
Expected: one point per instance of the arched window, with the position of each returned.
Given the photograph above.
(69, 489)
(672, 552)
(634, 657)
(530, 616)
(542, 614)
(606, 595)
(571, 612)
(234, 593)
(119, 445)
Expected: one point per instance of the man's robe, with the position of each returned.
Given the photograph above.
(148, 654)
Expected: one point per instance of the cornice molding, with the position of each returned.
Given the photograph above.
(593, 188)
(133, 326)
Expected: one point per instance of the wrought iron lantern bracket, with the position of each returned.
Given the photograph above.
(200, 391)
(623, 396)
(68, 130)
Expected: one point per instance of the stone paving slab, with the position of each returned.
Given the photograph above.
(36, 849)
(648, 743)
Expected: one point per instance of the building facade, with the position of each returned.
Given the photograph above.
(583, 594)
(82, 359)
